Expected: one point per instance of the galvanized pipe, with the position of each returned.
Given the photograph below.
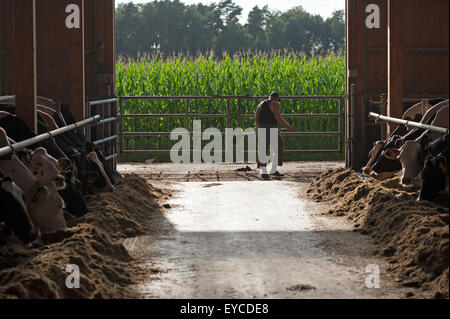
(106, 139)
(107, 120)
(92, 103)
(328, 115)
(336, 151)
(121, 126)
(112, 156)
(4, 151)
(176, 115)
(223, 133)
(215, 97)
(227, 115)
(380, 117)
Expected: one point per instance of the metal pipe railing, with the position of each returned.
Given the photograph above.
(104, 140)
(379, 117)
(92, 103)
(186, 116)
(330, 133)
(212, 97)
(7, 150)
(103, 131)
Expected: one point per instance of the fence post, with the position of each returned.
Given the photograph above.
(114, 129)
(228, 114)
(239, 112)
(341, 127)
(188, 104)
(121, 127)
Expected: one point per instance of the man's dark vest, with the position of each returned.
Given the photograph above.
(266, 116)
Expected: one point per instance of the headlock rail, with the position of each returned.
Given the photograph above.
(7, 150)
(379, 117)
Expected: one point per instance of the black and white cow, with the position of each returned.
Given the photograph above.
(435, 175)
(13, 213)
(383, 163)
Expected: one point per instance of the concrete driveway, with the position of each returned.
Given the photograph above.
(257, 239)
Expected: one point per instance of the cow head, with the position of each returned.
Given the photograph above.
(411, 156)
(386, 166)
(45, 167)
(435, 176)
(373, 155)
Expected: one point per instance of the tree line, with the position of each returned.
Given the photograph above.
(172, 27)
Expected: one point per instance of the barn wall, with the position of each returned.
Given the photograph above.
(58, 65)
(425, 37)
(7, 46)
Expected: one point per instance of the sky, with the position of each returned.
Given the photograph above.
(323, 7)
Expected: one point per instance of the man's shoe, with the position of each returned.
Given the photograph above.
(265, 176)
(278, 174)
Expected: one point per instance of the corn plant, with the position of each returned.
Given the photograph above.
(246, 73)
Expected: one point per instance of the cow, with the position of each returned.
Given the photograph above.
(44, 204)
(78, 138)
(18, 130)
(414, 113)
(383, 163)
(48, 171)
(412, 153)
(373, 155)
(410, 158)
(63, 146)
(435, 175)
(14, 215)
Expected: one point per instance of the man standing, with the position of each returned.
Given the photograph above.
(268, 116)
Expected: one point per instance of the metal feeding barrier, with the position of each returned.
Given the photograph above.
(379, 117)
(7, 150)
(105, 133)
(228, 115)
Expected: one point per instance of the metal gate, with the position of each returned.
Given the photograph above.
(233, 105)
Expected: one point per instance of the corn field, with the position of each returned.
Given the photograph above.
(255, 74)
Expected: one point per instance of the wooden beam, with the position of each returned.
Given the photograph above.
(105, 48)
(25, 61)
(395, 61)
(355, 75)
(77, 66)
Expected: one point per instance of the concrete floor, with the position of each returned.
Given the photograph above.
(256, 239)
(193, 172)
